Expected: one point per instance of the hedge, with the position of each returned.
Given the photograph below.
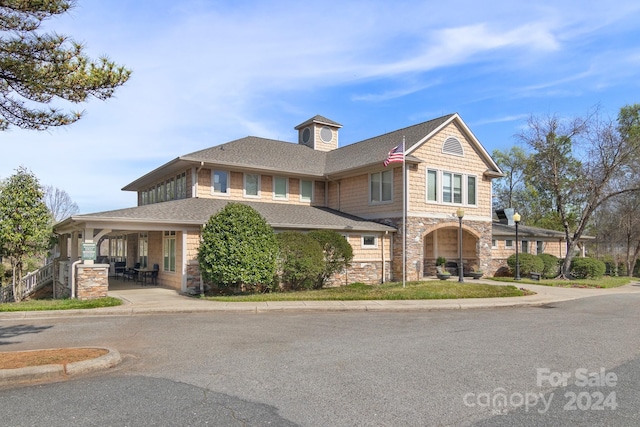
(587, 268)
(528, 263)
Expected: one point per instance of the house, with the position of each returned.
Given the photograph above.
(532, 240)
(310, 184)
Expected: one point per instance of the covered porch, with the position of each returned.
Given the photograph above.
(120, 248)
(444, 243)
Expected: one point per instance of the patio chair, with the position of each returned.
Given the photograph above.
(154, 274)
(131, 273)
(119, 268)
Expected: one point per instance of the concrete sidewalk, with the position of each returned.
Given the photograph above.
(157, 300)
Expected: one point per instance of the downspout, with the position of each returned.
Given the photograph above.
(195, 180)
(383, 258)
(73, 277)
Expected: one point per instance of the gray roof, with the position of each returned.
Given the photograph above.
(375, 150)
(526, 232)
(261, 153)
(195, 211)
(318, 119)
(254, 152)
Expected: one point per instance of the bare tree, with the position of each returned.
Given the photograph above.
(59, 203)
(581, 163)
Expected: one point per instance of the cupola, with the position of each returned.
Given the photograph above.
(319, 133)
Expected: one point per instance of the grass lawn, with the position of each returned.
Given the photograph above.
(388, 291)
(59, 304)
(605, 282)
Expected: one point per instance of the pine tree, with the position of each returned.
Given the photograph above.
(40, 68)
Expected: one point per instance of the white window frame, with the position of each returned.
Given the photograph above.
(167, 255)
(371, 246)
(494, 244)
(462, 192)
(434, 173)
(213, 182)
(244, 187)
(286, 195)
(143, 249)
(508, 243)
(310, 198)
(475, 190)
(381, 187)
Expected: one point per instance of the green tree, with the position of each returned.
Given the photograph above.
(580, 164)
(25, 223)
(300, 260)
(337, 252)
(38, 68)
(508, 188)
(238, 249)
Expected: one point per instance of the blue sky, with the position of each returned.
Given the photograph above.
(207, 72)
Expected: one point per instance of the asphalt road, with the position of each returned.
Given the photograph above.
(571, 363)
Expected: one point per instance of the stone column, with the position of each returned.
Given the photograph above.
(92, 281)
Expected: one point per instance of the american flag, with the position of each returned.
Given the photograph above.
(396, 155)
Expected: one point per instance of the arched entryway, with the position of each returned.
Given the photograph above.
(443, 241)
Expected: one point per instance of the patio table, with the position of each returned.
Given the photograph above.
(144, 274)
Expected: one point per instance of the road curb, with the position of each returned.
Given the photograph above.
(57, 371)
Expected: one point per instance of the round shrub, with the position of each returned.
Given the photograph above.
(551, 266)
(238, 249)
(587, 268)
(528, 263)
(300, 260)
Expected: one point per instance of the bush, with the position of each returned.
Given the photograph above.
(528, 263)
(300, 260)
(337, 253)
(551, 267)
(587, 268)
(238, 249)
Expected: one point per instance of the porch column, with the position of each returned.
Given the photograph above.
(88, 238)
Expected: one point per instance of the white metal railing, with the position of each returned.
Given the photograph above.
(36, 279)
(31, 282)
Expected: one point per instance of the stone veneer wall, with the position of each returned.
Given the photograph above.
(193, 274)
(92, 281)
(369, 272)
(418, 228)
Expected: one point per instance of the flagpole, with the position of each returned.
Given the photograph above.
(404, 215)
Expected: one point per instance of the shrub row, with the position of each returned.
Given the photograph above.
(240, 252)
(549, 266)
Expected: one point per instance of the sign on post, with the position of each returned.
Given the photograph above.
(88, 251)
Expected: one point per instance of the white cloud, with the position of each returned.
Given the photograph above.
(208, 72)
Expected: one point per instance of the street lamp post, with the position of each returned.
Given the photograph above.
(460, 214)
(516, 219)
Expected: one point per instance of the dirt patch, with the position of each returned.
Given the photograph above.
(62, 356)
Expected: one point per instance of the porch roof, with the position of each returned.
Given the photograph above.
(196, 212)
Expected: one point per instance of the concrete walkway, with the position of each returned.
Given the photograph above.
(156, 300)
